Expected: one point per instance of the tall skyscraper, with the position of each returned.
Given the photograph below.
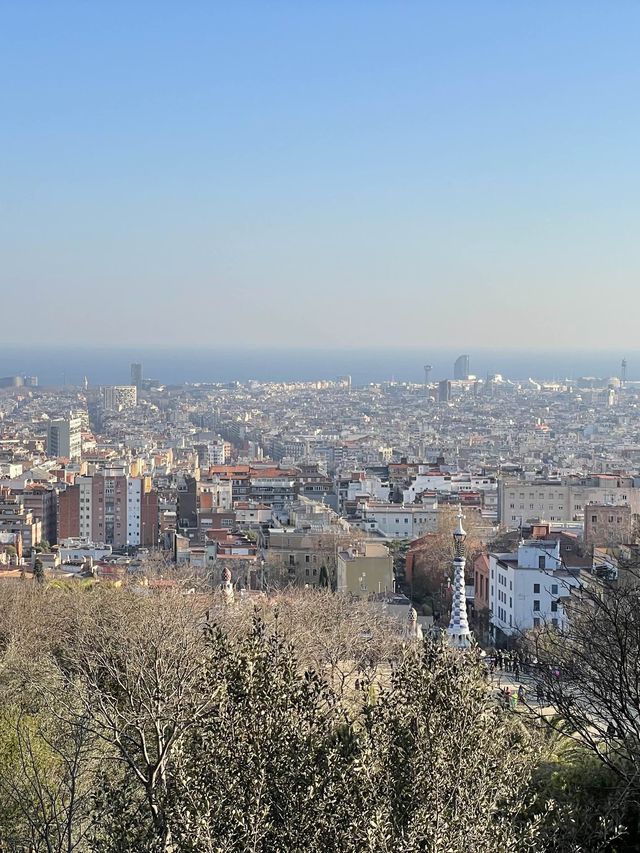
(461, 367)
(136, 375)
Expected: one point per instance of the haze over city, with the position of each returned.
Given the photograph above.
(359, 175)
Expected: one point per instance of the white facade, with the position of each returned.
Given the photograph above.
(77, 550)
(86, 507)
(134, 493)
(221, 492)
(395, 521)
(371, 486)
(64, 437)
(526, 589)
(118, 397)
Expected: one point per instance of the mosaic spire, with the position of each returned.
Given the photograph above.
(458, 631)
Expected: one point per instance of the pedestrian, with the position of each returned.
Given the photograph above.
(516, 671)
(521, 696)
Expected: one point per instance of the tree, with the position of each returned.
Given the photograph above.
(427, 763)
(134, 666)
(589, 673)
(38, 571)
(433, 558)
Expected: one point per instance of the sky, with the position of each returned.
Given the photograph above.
(320, 173)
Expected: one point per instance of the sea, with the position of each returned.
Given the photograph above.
(57, 365)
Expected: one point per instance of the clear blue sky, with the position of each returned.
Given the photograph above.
(321, 173)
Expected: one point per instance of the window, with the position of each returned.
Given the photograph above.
(536, 604)
(554, 589)
(554, 606)
(554, 622)
(541, 561)
(536, 623)
(536, 587)
(306, 558)
(292, 559)
(594, 518)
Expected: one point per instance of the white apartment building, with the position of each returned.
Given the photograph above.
(399, 521)
(449, 483)
(526, 588)
(115, 398)
(134, 492)
(85, 527)
(220, 491)
(64, 437)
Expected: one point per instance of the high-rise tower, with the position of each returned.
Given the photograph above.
(427, 378)
(623, 371)
(461, 367)
(136, 375)
(458, 631)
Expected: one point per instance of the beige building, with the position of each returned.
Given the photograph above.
(606, 525)
(365, 570)
(300, 555)
(564, 500)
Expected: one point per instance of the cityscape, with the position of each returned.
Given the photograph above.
(323, 483)
(319, 427)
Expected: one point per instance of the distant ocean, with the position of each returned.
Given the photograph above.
(56, 365)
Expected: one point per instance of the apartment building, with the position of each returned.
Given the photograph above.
(64, 437)
(606, 525)
(399, 521)
(365, 570)
(527, 587)
(564, 499)
(110, 507)
(116, 398)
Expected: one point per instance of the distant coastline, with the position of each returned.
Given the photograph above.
(58, 365)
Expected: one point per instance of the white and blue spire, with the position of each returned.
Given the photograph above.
(458, 631)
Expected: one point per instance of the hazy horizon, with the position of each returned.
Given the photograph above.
(110, 365)
(350, 174)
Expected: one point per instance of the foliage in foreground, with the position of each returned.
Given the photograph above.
(163, 723)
